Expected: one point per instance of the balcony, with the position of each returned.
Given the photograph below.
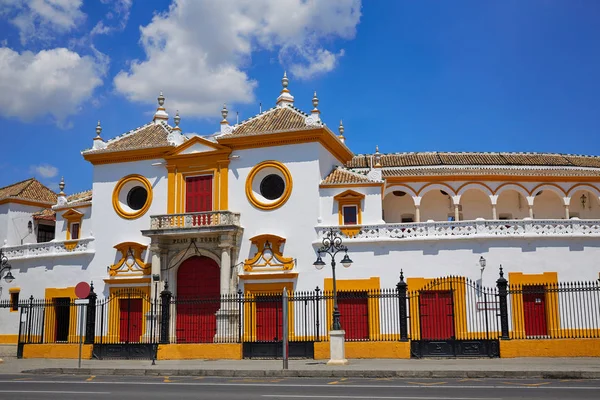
(50, 249)
(478, 229)
(199, 222)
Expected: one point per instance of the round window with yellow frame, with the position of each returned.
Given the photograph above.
(132, 196)
(269, 185)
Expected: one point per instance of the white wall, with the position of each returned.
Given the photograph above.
(18, 216)
(4, 223)
(548, 205)
(591, 210)
(436, 206)
(108, 227)
(85, 229)
(475, 204)
(396, 206)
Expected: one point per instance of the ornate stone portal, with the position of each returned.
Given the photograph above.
(171, 246)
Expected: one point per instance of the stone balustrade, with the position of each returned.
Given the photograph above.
(49, 249)
(207, 219)
(479, 228)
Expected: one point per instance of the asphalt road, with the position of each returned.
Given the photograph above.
(36, 387)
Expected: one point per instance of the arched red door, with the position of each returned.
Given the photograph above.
(198, 295)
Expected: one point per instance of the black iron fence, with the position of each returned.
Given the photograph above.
(554, 310)
(444, 309)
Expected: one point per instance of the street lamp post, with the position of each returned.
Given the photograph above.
(332, 245)
(4, 265)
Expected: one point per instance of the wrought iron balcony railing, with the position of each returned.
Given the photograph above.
(469, 229)
(207, 219)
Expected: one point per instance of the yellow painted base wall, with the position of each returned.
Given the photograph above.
(207, 351)
(550, 348)
(57, 351)
(9, 339)
(367, 350)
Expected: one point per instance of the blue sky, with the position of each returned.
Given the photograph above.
(404, 75)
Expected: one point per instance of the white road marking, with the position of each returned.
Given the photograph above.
(51, 391)
(378, 397)
(270, 385)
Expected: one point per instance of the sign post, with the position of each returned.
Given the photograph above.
(82, 291)
(284, 322)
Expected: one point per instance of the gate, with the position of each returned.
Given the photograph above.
(263, 323)
(454, 317)
(126, 326)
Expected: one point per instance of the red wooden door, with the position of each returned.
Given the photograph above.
(198, 295)
(130, 327)
(534, 311)
(354, 314)
(437, 319)
(198, 193)
(269, 318)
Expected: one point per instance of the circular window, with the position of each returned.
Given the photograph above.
(136, 198)
(132, 196)
(269, 185)
(272, 187)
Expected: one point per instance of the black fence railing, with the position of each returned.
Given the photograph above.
(554, 310)
(450, 308)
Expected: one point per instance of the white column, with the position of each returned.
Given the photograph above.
(417, 214)
(225, 267)
(156, 263)
(567, 201)
(456, 213)
(530, 200)
(494, 200)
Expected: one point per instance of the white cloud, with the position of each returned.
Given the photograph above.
(197, 50)
(115, 20)
(44, 170)
(54, 82)
(41, 18)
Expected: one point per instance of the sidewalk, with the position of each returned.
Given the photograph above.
(546, 368)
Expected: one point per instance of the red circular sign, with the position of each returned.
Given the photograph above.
(82, 290)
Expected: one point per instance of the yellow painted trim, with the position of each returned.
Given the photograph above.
(127, 281)
(127, 155)
(495, 178)
(50, 294)
(72, 244)
(276, 263)
(72, 216)
(257, 289)
(115, 197)
(518, 280)
(286, 193)
(275, 275)
(206, 351)
(224, 186)
(171, 178)
(461, 330)
(26, 202)
(62, 350)
(122, 267)
(345, 185)
(349, 198)
(550, 348)
(9, 339)
(114, 311)
(10, 292)
(321, 135)
(357, 285)
(368, 350)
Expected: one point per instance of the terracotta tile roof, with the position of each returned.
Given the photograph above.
(45, 214)
(146, 136)
(80, 197)
(389, 172)
(444, 158)
(30, 189)
(344, 176)
(276, 119)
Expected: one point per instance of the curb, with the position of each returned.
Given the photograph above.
(320, 374)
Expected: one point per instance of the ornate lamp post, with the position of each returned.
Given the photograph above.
(332, 245)
(4, 265)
